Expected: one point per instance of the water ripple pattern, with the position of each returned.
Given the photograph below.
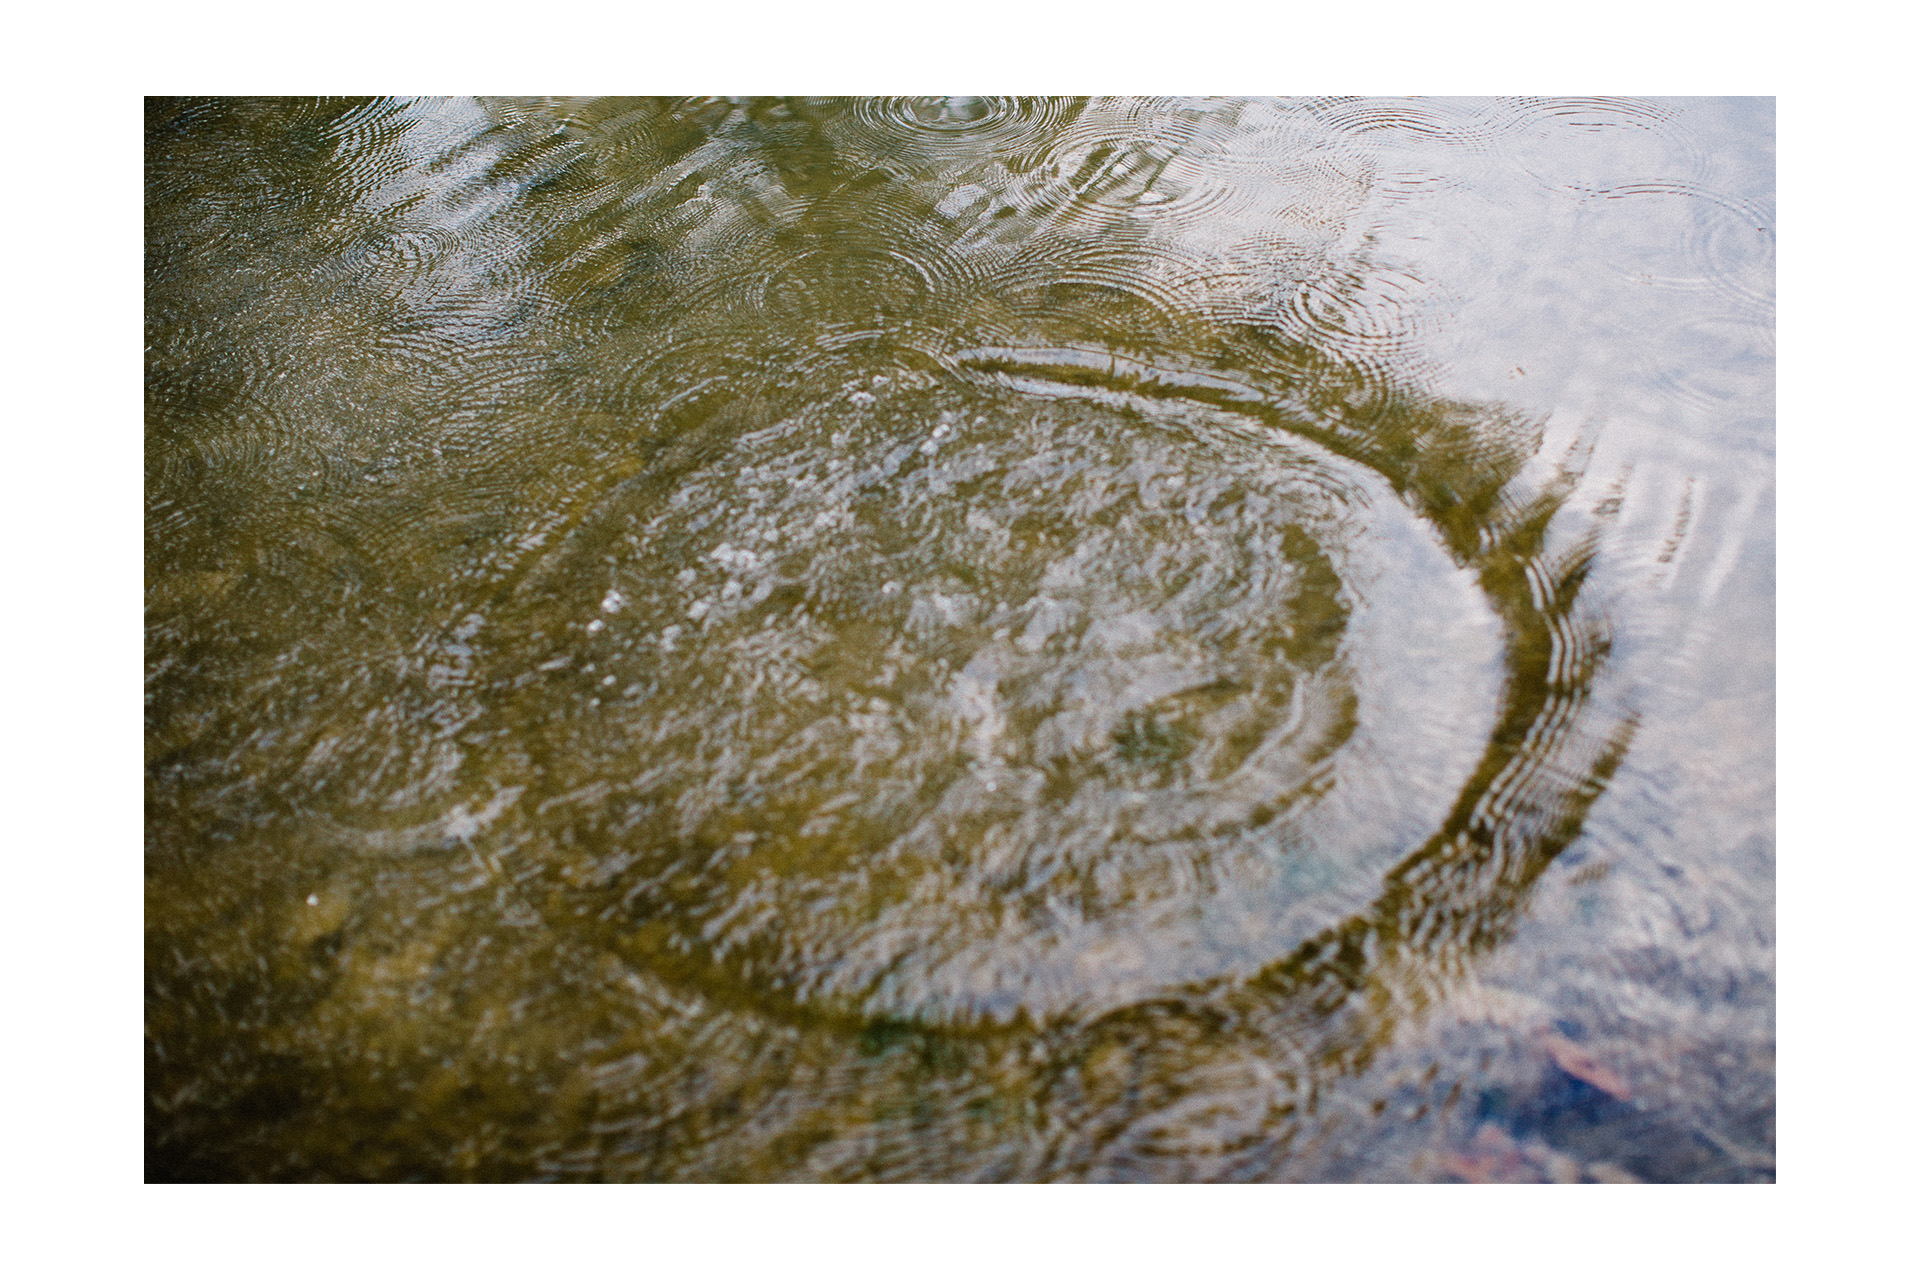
(940, 638)
(936, 746)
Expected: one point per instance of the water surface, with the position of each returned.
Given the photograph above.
(959, 638)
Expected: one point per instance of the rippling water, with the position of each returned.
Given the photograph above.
(959, 638)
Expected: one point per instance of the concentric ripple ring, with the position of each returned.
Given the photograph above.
(985, 701)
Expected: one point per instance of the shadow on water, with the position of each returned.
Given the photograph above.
(806, 639)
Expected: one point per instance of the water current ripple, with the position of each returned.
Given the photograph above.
(798, 611)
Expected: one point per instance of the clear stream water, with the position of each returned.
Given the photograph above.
(959, 639)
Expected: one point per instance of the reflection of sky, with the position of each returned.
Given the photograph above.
(438, 181)
(1611, 273)
(1609, 269)
(1621, 266)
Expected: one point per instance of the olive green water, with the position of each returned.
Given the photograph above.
(957, 639)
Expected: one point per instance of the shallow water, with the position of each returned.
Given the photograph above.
(957, 639)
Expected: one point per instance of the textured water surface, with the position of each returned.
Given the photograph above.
(959, 638)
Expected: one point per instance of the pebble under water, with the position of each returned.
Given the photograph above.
(959, 639)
